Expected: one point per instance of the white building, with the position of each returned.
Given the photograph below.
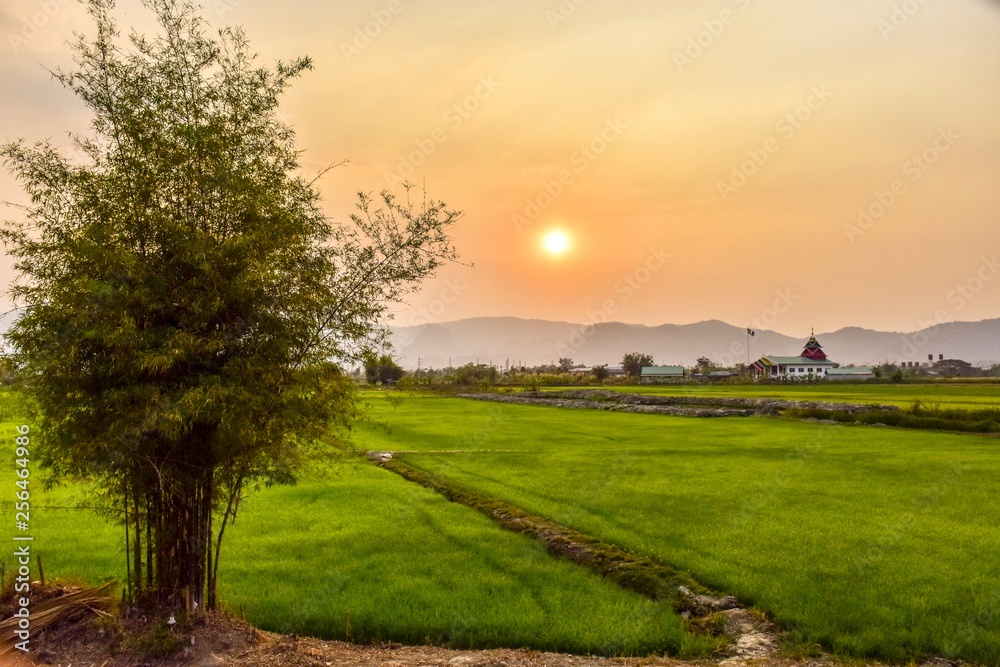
(811, 363)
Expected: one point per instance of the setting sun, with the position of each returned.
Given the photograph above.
(556, 242)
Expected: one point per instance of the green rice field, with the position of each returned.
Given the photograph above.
(364, 555)
(872, 542)
(959, 395)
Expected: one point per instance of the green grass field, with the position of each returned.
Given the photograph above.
(368, 556)
(960, 395)
(874, 542)
(871, 541)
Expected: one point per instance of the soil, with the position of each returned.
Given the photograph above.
(221, 640)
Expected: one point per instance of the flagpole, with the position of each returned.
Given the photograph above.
(748, 348)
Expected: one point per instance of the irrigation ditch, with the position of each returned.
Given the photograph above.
(685, 406)
(745, 633)
(920, 416)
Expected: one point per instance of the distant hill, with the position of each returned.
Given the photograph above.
(533, 342)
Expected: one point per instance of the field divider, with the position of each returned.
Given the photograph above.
(985, 421)
(640, 574)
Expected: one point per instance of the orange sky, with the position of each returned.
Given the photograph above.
(707, 160)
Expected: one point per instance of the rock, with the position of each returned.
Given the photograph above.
(702, 605)
(726, 603)
(379, 457)
(938, 662)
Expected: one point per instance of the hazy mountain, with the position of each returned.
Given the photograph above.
(499, 339)
(533, 342)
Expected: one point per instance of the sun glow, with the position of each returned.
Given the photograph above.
(556, 242)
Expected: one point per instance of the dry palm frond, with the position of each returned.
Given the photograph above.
(46, 613)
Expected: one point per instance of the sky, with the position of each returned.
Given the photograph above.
(780, 164)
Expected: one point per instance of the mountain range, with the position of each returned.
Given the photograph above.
(502, 340)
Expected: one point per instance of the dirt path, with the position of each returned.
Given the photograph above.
(220, 641)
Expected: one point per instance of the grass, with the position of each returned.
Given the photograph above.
(918, 417)
(873, 542)
(957, 395)
(373, 557)
(368, 556)
(649, 578)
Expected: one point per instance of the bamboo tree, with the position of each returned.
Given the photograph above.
(187, 305)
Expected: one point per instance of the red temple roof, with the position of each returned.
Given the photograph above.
(813, 350)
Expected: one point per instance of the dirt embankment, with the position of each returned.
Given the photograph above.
(687, 406)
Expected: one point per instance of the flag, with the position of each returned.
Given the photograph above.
(751, 332)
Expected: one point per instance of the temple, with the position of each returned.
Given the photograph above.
(812, 362)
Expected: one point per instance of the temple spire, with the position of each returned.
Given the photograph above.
(813, 349)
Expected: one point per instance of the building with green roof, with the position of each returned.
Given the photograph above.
(651, 374)
(813, 362)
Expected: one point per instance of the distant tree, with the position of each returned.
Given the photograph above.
(565, 364)
(886, 370)
(390, 371)
(8, 370)
(471, 374)
(188, 306)
(601, 373)
(633, 363)
(382, 370)
(704, 365)
(956, 368)
(371, 369)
